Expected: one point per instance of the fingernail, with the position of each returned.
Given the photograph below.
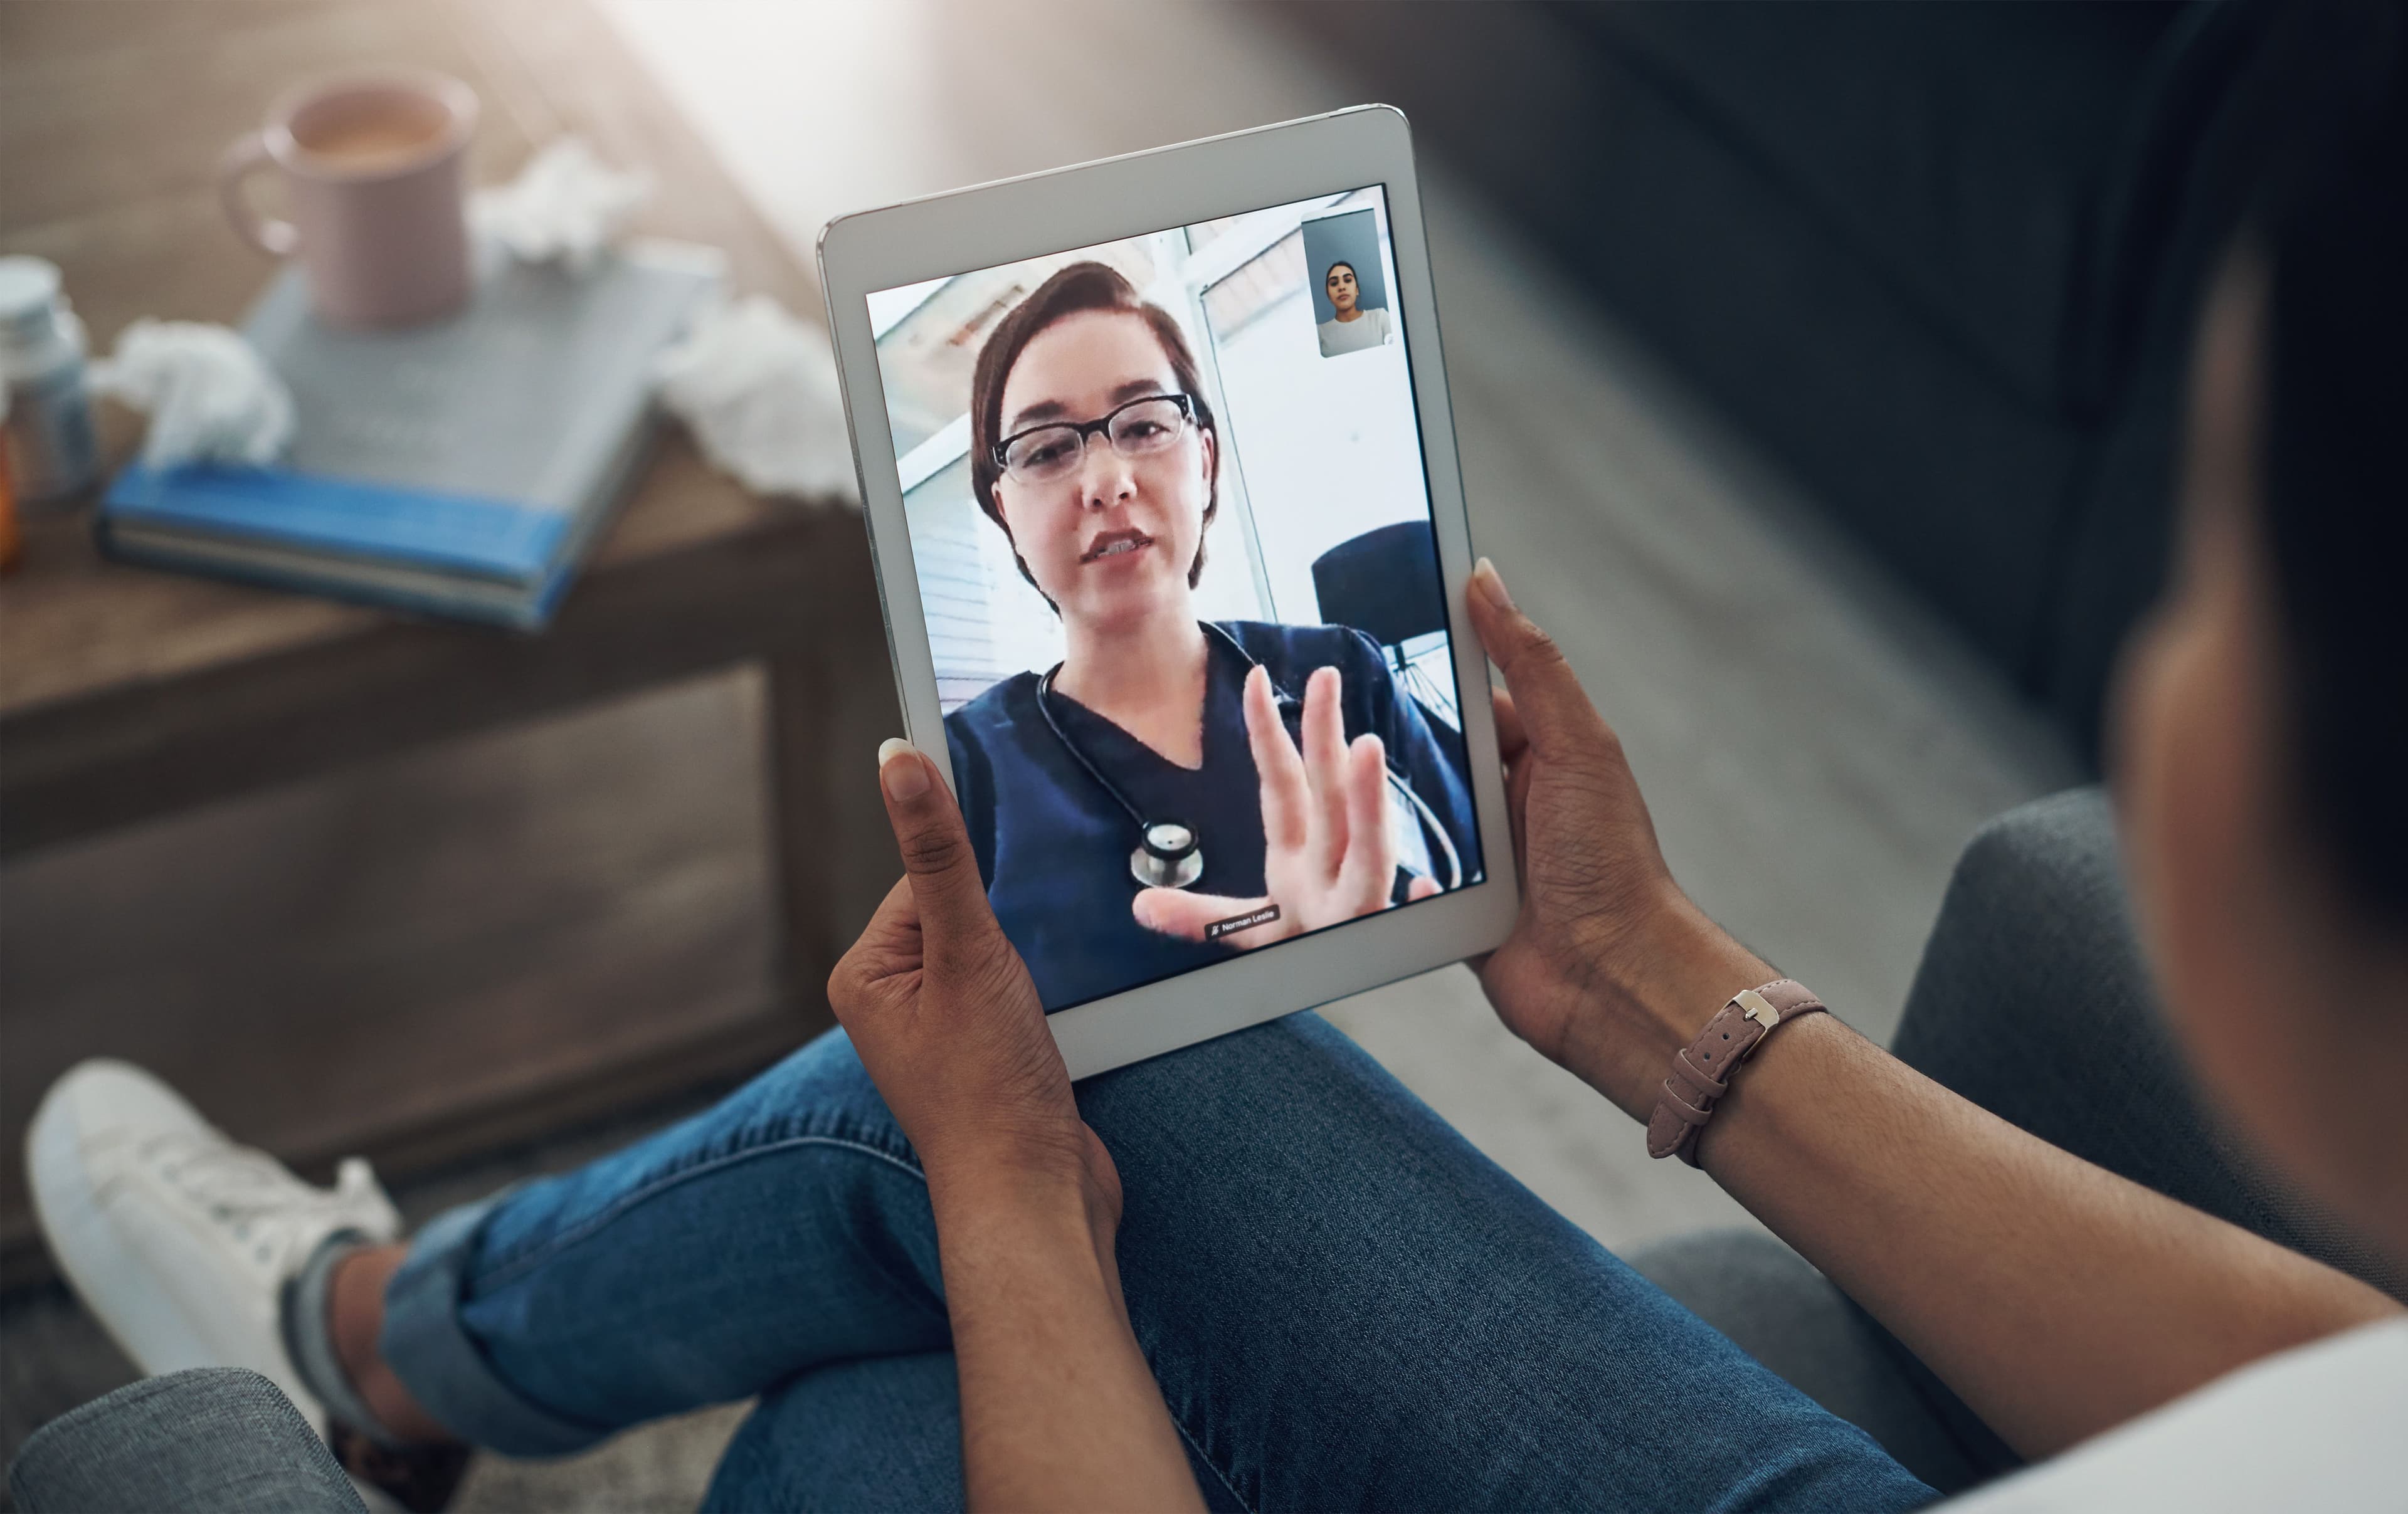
(1492, 583)
(900, 769)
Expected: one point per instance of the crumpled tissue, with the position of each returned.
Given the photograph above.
(210, 395)
(566, 205)
(758, 389)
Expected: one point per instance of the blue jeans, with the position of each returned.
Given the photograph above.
(1346, 1305)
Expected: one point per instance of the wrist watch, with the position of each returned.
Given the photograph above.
(1702, 1070)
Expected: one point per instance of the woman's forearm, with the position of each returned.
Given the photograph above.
(1059, 1409)
(2055, 1297)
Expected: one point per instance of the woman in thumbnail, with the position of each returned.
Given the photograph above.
(1173, 790)
(1353, 328)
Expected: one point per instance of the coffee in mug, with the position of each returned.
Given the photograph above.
(374, 168)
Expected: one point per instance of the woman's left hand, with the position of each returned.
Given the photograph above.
(1327, 854)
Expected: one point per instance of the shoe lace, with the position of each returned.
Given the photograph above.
(256, 1194)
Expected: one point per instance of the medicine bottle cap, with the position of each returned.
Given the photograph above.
(29, 295)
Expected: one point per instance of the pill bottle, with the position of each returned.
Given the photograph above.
(51, 452)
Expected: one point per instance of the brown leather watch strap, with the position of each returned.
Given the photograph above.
(1701, 1071)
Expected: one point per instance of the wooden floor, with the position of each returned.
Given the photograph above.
(1625, 521)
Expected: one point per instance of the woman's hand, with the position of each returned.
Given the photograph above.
(1059, 1409)
(1611, 969)
(944, 1015)
(1327, 853)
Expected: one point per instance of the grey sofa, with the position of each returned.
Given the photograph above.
(2034, 1001)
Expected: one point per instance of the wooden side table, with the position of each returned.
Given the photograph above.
(127, 694)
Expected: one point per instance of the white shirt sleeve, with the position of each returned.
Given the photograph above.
(2323, 1427)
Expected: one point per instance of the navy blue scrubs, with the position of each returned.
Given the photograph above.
(1054, 847)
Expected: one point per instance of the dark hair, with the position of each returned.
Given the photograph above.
(2330, 220)
(1081, 286)
(1341, 262)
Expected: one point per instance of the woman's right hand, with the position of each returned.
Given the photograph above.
(1609, 970)
(1058, 1407)
(943, 1014)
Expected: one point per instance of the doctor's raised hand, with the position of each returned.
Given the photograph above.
(1328, 854)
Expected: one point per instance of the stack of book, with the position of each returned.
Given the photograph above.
(461, 469)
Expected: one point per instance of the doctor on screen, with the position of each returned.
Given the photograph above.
(1353, 328)
(1174, 790)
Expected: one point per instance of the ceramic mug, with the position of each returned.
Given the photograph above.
(375, 173)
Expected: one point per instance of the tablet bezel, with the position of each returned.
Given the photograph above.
(1042, 214)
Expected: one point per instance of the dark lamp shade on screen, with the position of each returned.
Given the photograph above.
(1383, 583)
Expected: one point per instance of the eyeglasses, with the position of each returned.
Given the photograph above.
(1042, 454)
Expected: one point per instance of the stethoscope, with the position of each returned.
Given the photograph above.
(1169, 854)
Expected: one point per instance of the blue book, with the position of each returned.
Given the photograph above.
(461, 469)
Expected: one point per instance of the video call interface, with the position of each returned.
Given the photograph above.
(1171, 528)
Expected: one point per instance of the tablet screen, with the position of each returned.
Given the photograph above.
(1171, 529)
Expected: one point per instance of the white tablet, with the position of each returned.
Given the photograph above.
(1161, 485)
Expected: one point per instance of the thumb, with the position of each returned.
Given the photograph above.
(1547, 697)
(937, 861)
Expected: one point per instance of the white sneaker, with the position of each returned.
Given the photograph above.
(178, 1240)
